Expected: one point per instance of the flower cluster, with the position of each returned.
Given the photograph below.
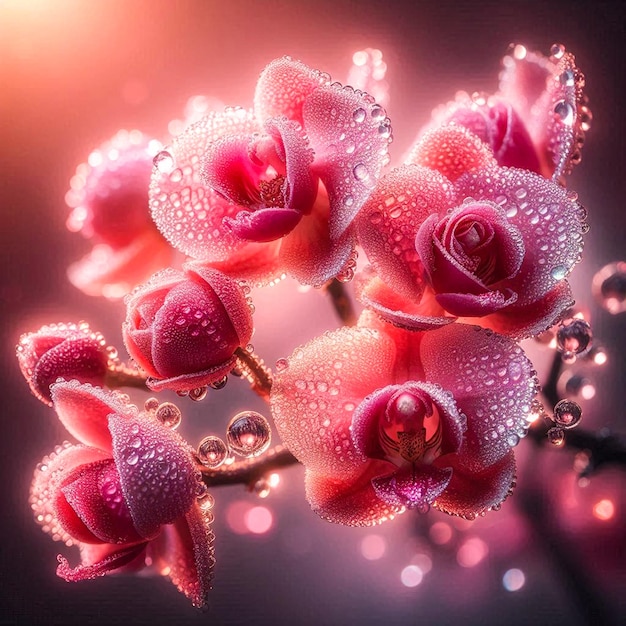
(468, 243)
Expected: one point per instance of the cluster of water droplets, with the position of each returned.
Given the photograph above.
(567, 414)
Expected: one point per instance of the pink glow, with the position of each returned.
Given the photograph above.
(472, 552)
(604, 510)
(258, 520)
(373, 547)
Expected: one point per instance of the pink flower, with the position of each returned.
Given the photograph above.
(182, 328)
(109, 197)
(62, 350)
(452, 234)
(258, 193)
(126, 496)
(538, 117)
(385, 419)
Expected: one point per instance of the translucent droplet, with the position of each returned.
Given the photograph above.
(169, 415)
(556, 436)
(558, 272)
(262, 488)
(131, 456)
(567, 414)
(198, 394)
(512, 439)
(281, 365)
(565, 112)
(557, 50)
(360, 172)
(206, 501)
(151, 404)
(164, 162)
(567, 78)
(359, 115)
(573, 337)
(248, 434)
(219, 384)
(212, 451)
(609, 287)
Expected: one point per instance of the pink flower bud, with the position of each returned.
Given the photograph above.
(62, 351)
(182, 328)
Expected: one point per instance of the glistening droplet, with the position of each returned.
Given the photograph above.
(567, 414)
(573, 337)
(164, 162)
(198, 394)
(556, 436)
(169, 415)
(248, 434)
(212, 451)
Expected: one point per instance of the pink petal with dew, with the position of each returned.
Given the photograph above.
(550, 221)
(187, 382)
(47, 480)
(350, 499)
(95, 496)
(350, 135)
(493, 384)
(387, 224)
(309, 254)
(451, 150)
(283, 87)
(471, 305)
(157, 471)
(314, 398)
(117, 559)
(84, 411)
(186, 549)
(93, 553)
(185, 210)
(472, 491)
(263, 225)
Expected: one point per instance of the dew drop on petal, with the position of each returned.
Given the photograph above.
(556, 436)
(198, 394)
(169, 415)
(567, 414)
(151, 404)
(281, 365)
(219, 384)
(212, 451)
(206, 501)
(248, 434)
(565, 112)
(557, 50)
(558, 272)
(360, 172)
(359, 115)
(164, 162)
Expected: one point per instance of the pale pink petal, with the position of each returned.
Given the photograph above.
(412, 487)
(263, 225)
(387, 224)
(314, 397)
(283, 87)
(157, 472)
(350, 499)
(350, 135)
(84, 410)
(472, 491)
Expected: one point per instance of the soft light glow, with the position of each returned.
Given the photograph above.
(373, 547)
(423, 561)
(235, 514)
(588, 391)
(604, 510)
(258, 520)
(472, 552)
(273, 480)
(440, 533)
(513, 579)
(411, 576)
(600, 357)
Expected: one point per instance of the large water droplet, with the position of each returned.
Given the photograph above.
(556, 436)
(248, 434)
(169, 415)
(573, 337)
(198, 394)
(558, 272)
(359, 115)
(151, 404)
(557, 50)
(281, 365)
(360, 172)
(567, 414)
(609, 287)
(220, 383)
(164, 162)
(565, 112)
(567, 78)
(212, 451)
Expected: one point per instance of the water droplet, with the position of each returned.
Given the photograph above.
(359, 115)
(567, 78)
(609, 287)
(206, 501)
(281, 365)
(512, 439)
(565, 112)
(573, 337)
(556, 436)
(212, 451)
(360, 172)
(164, 162)
(131, 456)
(151, 404)
(248, 434)
(262, 488)
(557, 50)
(198, 394)
(169, 415)
(220, 383)
(558, 272)
(567, 414)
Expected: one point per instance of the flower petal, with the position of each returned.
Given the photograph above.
(471, 305)
(157, 472)
(84, 410)
(263, 225)
(412, 487)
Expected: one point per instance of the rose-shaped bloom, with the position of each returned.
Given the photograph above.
(71, 351)
(109, 200)
(453, 235)
(385, 419)
(274, 190)
(537, 118)
(183, 327)
(126, 496)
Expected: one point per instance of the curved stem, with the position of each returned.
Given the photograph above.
(254, 369)
(249, 471)
(341, 302)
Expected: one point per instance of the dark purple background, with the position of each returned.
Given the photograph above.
(71, 74)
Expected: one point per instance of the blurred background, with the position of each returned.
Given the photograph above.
(72, 73)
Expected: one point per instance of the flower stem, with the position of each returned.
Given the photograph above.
(253, 368)
(342, 302)
(249, 471)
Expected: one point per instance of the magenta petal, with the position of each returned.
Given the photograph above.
(412, 487)
(350, 134)
(88, 571)
(263, 224)
(84, 410)
(157, 472)
(470, 305)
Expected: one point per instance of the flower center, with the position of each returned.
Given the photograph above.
(272, 192)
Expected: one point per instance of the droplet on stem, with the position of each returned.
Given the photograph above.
(567, 414)
(212, 451)
(248, 434)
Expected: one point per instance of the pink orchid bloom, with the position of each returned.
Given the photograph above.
(182, 327)
(274, 190)
(537, 118)
(109, 197)
(453, 235)
(385, 419)
(71, 351)
(126, 495)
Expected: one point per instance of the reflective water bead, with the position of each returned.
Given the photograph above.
(565, 111)
(164, 162)
(557, 50)
(151, 404)
(556, 436)
(220, 384)
(169, 415)
(609, 287)
(212, 451)
(248, 434)
(281, 364)
(573, 337)
(262, 488)
(206, 501)
(198, 394)
(567, 414)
